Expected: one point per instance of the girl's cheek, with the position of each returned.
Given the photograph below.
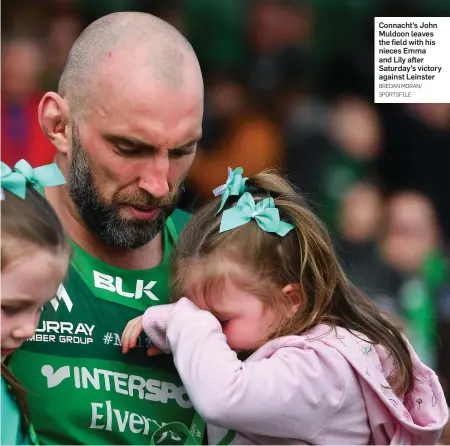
(224, 324)
(228, 328)
(225, 327)
(5, 323)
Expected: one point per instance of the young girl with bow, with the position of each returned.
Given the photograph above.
(35, 256)
(273, 343)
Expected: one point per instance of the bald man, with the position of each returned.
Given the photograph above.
(125, 123)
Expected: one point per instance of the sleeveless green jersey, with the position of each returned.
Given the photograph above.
(81, 388)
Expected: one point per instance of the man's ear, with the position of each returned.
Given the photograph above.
(294, 292)
(53, 116)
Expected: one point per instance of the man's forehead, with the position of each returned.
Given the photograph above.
(159, 123)
(132, 102)
(135, 85)
(167, 65)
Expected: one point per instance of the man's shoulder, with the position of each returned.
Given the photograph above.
(180, 218)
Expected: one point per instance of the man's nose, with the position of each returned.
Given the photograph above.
(154, 178)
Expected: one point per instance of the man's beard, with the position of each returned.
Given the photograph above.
(103, 219)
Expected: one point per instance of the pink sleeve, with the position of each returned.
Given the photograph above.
(155, 322)
(290, 394)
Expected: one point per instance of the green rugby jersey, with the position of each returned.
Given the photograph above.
(81, 388)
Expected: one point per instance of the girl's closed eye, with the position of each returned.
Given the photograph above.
(10, 310)
(223, 315)
(223, 319)
(224, 323)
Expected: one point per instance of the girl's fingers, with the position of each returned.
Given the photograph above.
(127, 336)
(131, 333)
(153, 351)
(136, 330)
(124, 339)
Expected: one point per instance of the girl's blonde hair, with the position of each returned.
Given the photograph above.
(31, 221)
(264, 263)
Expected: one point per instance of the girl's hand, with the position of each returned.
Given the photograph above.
(154, 323)
(131, 334)
(154, 351)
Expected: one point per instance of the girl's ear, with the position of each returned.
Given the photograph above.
(293, 291)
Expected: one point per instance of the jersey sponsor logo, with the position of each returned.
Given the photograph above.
(62, 297)
(115, 285)
(54, 378)
(66, 327)
(107, 380)
(105, 417)
(65, 332)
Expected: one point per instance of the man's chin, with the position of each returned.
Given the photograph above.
(124, 229)
(132, 234)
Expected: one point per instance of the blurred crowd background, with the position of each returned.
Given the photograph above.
(288, 84)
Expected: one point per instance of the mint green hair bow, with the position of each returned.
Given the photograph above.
(235, 185)
(265, 213)
(16, 180)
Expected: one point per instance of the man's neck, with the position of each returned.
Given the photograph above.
(146, 257)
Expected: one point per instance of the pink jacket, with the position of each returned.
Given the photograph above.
(324, 387)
